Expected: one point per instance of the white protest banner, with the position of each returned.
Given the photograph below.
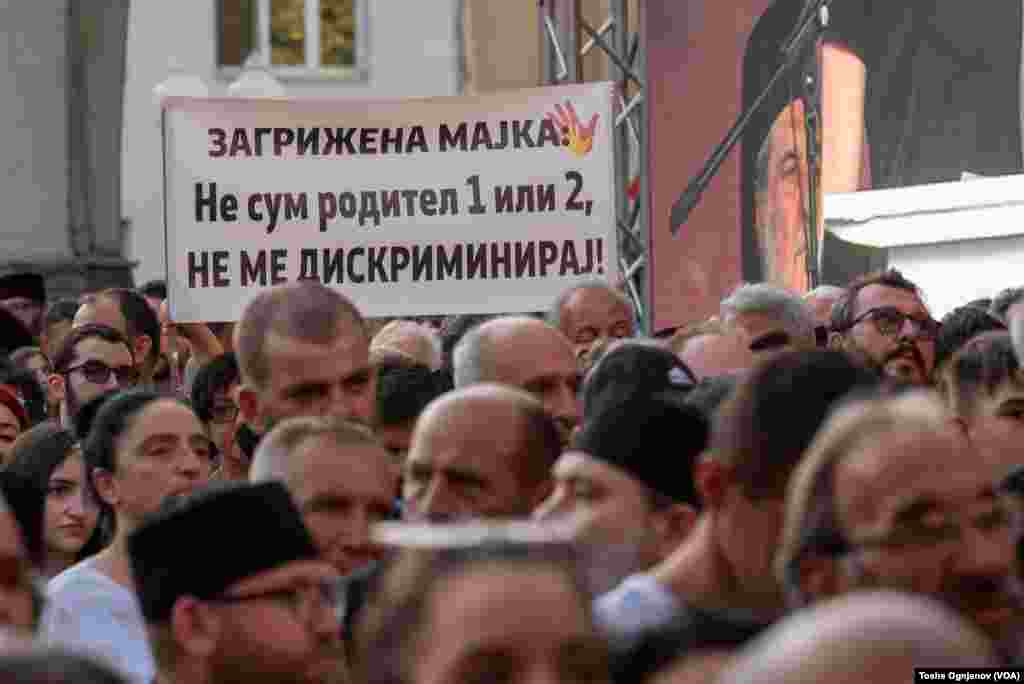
(451, 205)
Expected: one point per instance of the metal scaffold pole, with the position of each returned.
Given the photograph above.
(569, 40)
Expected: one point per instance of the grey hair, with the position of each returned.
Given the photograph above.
(556, 315)
(765, 298)
(468, 358)
(270, 462)
(825, 292)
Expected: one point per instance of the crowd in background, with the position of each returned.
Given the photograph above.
(800, 487)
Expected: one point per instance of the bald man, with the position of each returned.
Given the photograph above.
(529, 354)
(340, 477)
(592, 312)
(484, 451)
(866, 637)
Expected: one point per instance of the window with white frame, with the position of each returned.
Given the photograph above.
(291, 37)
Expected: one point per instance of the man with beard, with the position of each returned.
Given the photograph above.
(127, 312)
(528, 354)
(259, 607)
(303, 350)
(92, 360)
(630, 500)
(23, 295)
(341, 478)
(891, 495)
(883, 322)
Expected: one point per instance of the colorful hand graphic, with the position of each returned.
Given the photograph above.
(579, 138)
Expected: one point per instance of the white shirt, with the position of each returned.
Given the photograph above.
(88, 612)
(639, 603)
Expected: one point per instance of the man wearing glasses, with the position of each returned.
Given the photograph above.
(92, 360)
(260, 607)
(883, 322)
(891, 495)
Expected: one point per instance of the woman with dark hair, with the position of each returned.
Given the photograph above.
(141, 448)
(48, 458)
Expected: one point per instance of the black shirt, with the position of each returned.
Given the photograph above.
(943, 85)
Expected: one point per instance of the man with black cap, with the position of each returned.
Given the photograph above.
(259, 607)
(627, 485)
(23, 295)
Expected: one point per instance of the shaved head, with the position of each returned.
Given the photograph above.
(863, 637)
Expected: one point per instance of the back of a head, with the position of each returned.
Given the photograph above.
(763, 429)
(216, 376)
(55, 666)
(770, 300)
(980, 367)
(811, 522)
(414, 341)
(877, 637)
(404, 390)
(305, 311)
(61, 311)
(138, 315)
(958, 327)
(157, 289)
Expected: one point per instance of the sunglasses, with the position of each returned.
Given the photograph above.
(98, 373)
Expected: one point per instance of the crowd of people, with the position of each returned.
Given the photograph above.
(800, 487)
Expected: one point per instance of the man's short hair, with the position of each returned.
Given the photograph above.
(67, 353)
(764, 298)
(762, 430)
(306, 311)
(404, 390)
(1004, 300)
(389, 629)
(812, 522)
(157, 289)
(270, 461)
(46, 665)
(982, 365)
(958, 327)
(843, 311)
(556, 316)
(60, 311)
(216, 376)
(712, 326)
(138, 316)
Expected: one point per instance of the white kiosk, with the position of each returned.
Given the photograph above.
(957, 241)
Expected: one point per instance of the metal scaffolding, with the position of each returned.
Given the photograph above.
(569, 41)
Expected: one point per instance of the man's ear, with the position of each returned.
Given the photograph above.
(106, 487)
(249, 408)
(673, 526)
(141, 344)
(836, 341)
(58, 389)
(818, 577)
(711, 479)
(195, 627)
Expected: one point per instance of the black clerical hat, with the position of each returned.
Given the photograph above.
(214, 540)
(31, 286)
(654, 441)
